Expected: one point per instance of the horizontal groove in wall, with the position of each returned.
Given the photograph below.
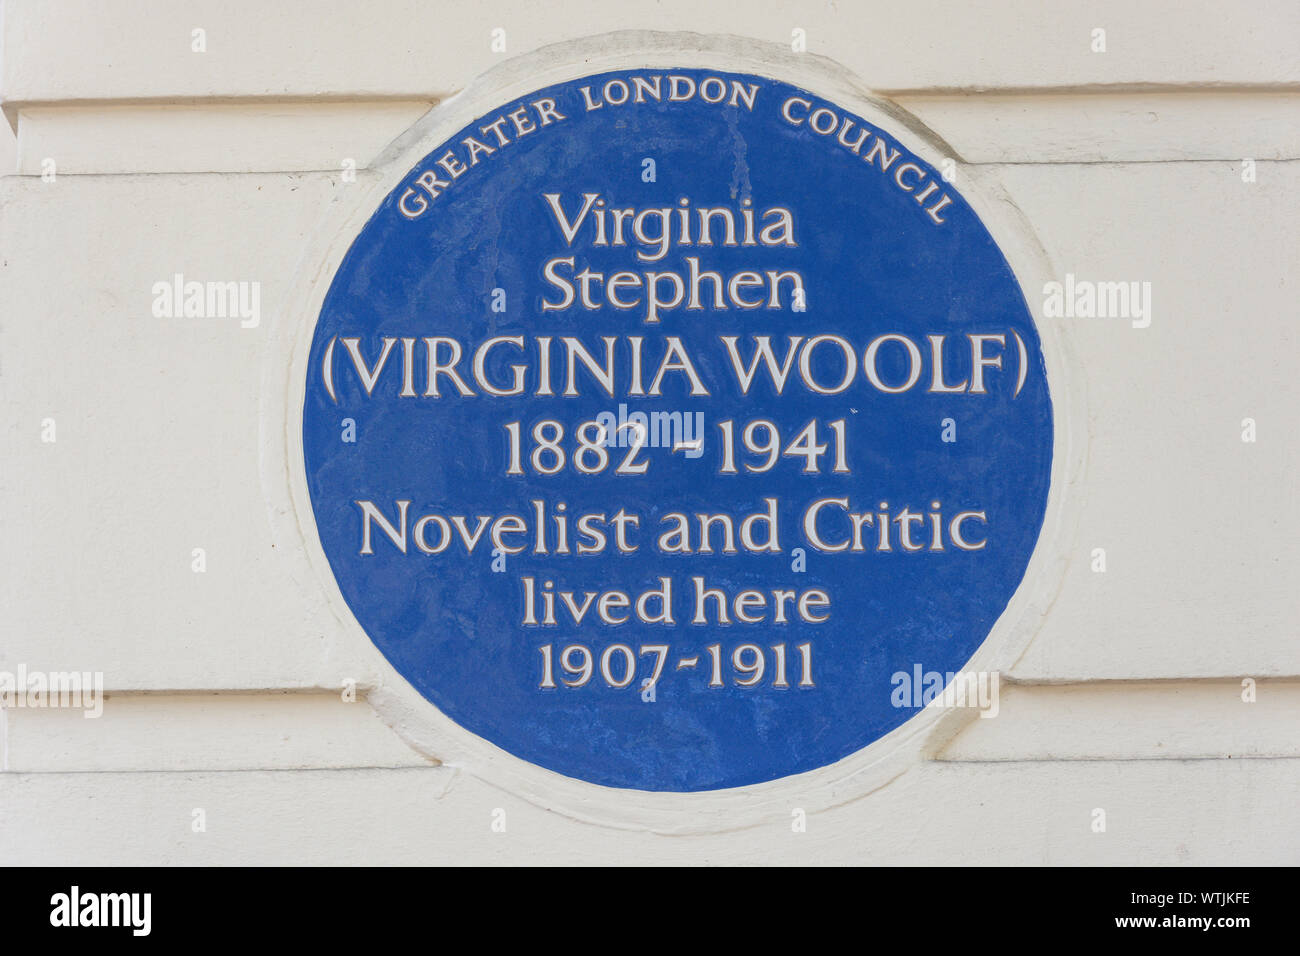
(204, 732)
(78, 47)
(280, 136)
(1115, 127)
(1134, 720)
(333, 134)
(252, 730)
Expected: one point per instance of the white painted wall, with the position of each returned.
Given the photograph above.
(224, 685)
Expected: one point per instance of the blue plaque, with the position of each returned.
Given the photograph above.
(657, 419)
